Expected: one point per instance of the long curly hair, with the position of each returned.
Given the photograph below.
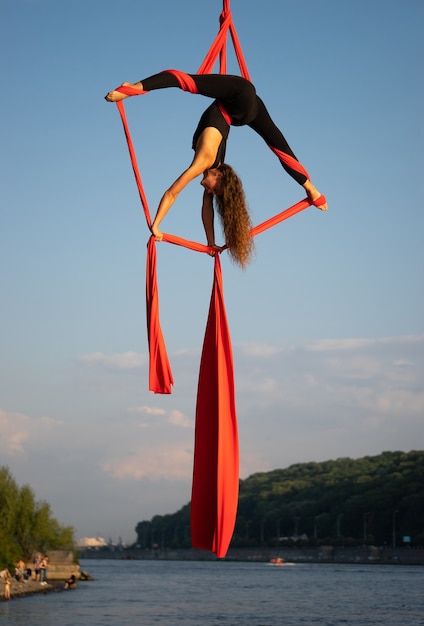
(235, 219)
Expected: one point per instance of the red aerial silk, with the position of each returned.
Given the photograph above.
(160, 374)
(216, 453)
(216, 458)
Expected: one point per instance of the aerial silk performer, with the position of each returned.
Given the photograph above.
(235, 102)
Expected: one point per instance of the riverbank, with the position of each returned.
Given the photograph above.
(28, 588)
(295, 554)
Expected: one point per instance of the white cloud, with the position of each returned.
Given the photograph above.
(146, 410)
(177, 418)
(121, 361)
(20, 433)
(168, 461)
(259, 350)
(332, 345)
(14, 442)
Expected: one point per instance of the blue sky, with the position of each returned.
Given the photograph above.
(327, 323)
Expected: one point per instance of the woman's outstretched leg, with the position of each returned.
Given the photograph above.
(237, 93)
(272, 135)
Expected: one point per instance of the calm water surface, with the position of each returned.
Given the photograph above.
(170, 593)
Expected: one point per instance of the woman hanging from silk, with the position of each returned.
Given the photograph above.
(235, 103)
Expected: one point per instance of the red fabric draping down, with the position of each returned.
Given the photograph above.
(216, 454)
(160, 374)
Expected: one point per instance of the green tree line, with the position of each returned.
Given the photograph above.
(374, 500)
(27, 526)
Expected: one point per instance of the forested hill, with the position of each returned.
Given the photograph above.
(375, 500)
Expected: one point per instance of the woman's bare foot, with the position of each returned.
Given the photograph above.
(116, 96)
(315, 196)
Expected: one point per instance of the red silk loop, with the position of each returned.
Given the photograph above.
(290, 161)
(185, 81)
(319, 201)
(186, 243)
(225, 16)
(129, 90)
(225, 115)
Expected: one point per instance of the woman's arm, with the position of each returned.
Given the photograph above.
(171, 194)
(206, 149)
(208, 217)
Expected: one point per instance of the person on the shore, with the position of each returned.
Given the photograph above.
(37, 562)
(71, 582)
(43, 570)
(7, 578)
(237, 104)
(20, 570)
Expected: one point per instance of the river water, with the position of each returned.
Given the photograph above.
(173, 593)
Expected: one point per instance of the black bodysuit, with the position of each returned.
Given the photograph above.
(213, 117)
(239, 98)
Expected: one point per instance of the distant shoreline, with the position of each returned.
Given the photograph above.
(363, 555)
